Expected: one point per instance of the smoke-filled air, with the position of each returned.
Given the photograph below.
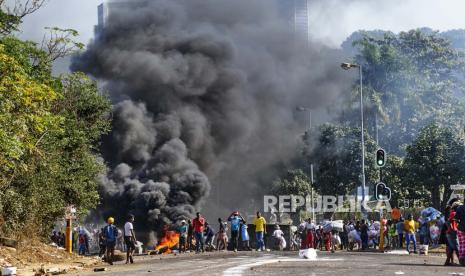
(204, 95)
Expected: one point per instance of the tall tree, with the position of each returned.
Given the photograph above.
(295, 183)
(410, 80)
(50, 128)
(338, 160)
(435, 160)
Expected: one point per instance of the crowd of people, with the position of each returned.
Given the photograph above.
(58, 238)
(81, 240)
(197, 234)
(431, 228)
(317, 236)
(104, 240)
(194, 235)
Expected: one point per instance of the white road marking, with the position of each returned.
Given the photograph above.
(238, 270)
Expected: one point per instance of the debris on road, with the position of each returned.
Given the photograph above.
(49, 271)
(308, 254)
(9, 271)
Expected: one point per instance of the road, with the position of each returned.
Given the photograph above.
(282, 263)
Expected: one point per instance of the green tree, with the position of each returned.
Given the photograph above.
(295, 183)
(8, 22)
(50, 128)
(433, 162)
(12, 13)
(410, 80)
(393, 175)
(337, 156)
(25, 114)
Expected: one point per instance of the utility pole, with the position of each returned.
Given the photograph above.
(70, 214)
(309, 163)
(347, 66)
(311, 193)
(311, 168)
(363, 143)
(376, 128)
(377, 142)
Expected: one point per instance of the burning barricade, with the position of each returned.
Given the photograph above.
(167, 244)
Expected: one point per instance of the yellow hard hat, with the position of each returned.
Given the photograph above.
(111, 220)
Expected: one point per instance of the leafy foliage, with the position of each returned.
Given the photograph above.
(295, 183)
(435, 160)
(410, 80)
(60, 43)
(413, 92)
(337, 156)
(25, 116)
(50, 128)
(8, 22)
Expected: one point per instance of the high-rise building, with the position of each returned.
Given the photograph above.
(295, 12)
(102, 11)
(108, 6)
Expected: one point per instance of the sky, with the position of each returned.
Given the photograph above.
(331, 21)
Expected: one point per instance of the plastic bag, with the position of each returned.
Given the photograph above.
(354, 236)
(338, 225)
(327, 227)
(139, 248)
(351, 227)
(307, 254)
(430, 214)
(373, 234)
(283, 243)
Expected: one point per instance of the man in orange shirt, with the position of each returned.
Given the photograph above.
(198, 224)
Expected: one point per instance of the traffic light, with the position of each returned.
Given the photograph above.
(382, 192)
(380, 158)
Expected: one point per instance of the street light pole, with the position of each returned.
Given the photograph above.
(363, 143)
(300, 108)
(311, 193)
(347, 66)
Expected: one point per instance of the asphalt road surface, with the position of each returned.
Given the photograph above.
(283, 263)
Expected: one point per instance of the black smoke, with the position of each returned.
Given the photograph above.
(204, 96)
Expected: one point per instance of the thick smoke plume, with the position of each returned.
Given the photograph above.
(204, 96)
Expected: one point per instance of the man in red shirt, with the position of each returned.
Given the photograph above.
(451, 235)
(198, 223)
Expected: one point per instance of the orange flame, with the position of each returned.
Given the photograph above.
(167, 242)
